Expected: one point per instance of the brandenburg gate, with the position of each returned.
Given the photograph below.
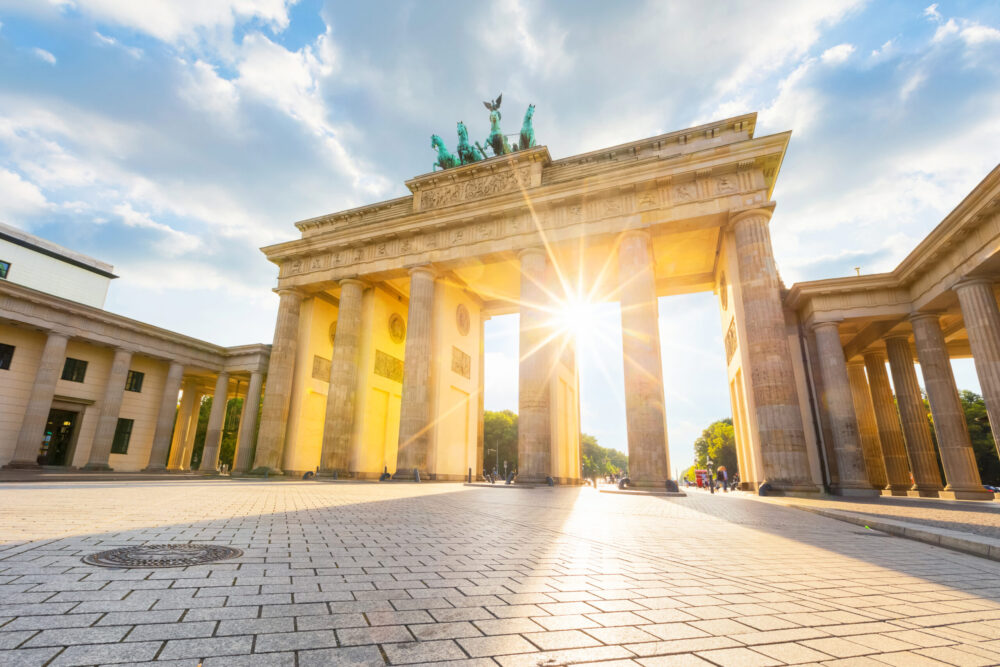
(377, 361)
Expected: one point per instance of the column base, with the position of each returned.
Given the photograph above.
(890, 491)
(923, 493)
(967, 494)
(855, 492)
(97, 467)
(22, 465)
(263, 471)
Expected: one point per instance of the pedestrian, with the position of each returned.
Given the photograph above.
(722, 478)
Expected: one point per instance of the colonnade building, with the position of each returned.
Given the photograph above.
(377, 362)
(81, 387)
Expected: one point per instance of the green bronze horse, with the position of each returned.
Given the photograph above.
(496, 140)
(445, 159)
(527, 130)
(467, 153)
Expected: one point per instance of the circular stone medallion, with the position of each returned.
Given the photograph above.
(162, 555)
(397, 328)
(462, 319)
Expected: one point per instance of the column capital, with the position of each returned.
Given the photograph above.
(972, 281)
(289, 291)
(642, 233)
(740, 216)
(521, 254)
(816, 326)
(353, 281)
(921, 315)
(874, 354)
(425, 268)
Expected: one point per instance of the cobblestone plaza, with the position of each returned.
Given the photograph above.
(399, 573)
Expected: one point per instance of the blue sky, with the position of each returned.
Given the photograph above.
(173, 138)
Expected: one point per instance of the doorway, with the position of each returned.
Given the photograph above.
(59, 432)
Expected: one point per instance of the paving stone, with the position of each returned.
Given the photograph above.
(204, 648)
(353, 656)
(93, 654)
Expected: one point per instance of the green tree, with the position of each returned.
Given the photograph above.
(717, 442)
(499, 440)
(982, 437)
(599, 460)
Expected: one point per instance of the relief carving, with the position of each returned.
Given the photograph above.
(461, 363)
(731, 341)
(321, 368)
(475, 188)
(388, 366)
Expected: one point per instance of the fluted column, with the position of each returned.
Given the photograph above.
(340, 399)
(180, 439)
(852, 474)
(280, 370)
(534, 457)
(216, 417)
(248, 424)
(36, 415)
(890, 432)
(982, 324)
(415, 417)
(165, 419)
(481, 433)
(916, 432)
(645, 406)
(111, 405)
(957, 457)
(871, 447)
(772, 379)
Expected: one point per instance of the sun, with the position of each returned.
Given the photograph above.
(576, 318)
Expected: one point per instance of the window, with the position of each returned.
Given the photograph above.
(6, 354)
(74, 370)
(4, 269)
(123, 432)
(134, 381)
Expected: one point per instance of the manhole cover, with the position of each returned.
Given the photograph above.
(162, 555)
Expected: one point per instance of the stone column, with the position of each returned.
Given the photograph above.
(340, 399)
(248, 424)
(852, 474)
(916, 432)
(111, 404)
(770, 374)
(890, 433)
(645, 406)
(183, 424)
(871, 447)
(36, 416)
(165, 419)
(957, 457)
(534, 437)
(415, 417)
(864, 410)
(481, 433)
(216, 417)
(280, 370)
(982, 324)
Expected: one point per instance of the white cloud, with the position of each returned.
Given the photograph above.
(185, 21)
(44, 55)
(837, 54)
(884, 50)
(176, 243)
(104, 40)
(205, 90)
(19, 199)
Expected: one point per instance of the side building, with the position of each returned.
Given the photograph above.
(85, 388)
